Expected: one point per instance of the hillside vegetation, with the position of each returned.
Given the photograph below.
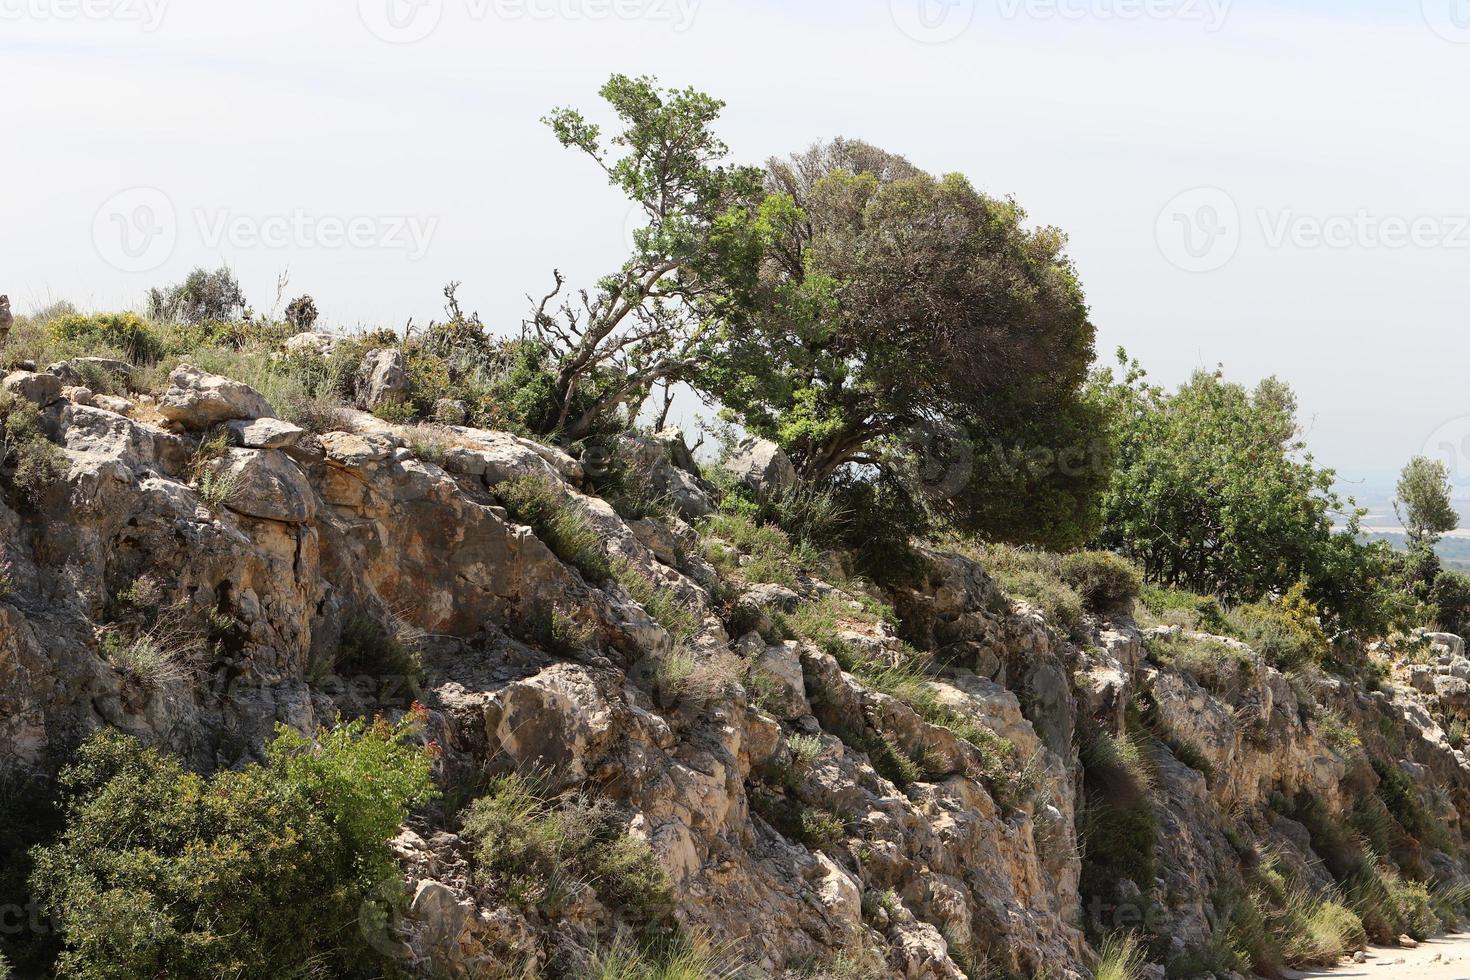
(439, 653)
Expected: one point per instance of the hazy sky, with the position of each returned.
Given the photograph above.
(1278, 186)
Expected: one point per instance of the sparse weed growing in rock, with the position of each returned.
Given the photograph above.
(684, 677)
(804, 749)
(249, 872)
(660, 601)
(762, 553)
(1035, 576)
(1219, 667)
(538, 853)
(370, 646)
(145, 659)
(1341, 735)
(682, 959)
(1122, 958)
(538, 503)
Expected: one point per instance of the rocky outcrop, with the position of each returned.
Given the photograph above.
(948, 806)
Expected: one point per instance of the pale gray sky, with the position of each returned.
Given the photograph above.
(1279, 186)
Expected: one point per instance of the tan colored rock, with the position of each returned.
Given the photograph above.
(197, 400)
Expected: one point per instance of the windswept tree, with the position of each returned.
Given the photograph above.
(1423, 502)
(911, 331)
(646, 323)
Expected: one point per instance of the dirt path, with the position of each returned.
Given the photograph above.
(1446, 958)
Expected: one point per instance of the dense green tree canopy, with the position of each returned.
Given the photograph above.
(911, 326)
(1214, 492)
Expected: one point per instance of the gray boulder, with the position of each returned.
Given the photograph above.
(43, 389)
(762, 465)
(197, 400)
(382, 378)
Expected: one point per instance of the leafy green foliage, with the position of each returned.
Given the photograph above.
(1035, 576)
(34, 463)
(911, 327)
(257, 872)
(205, 297)
(1214, 493)
(125, 333)
(1423, 501)
(648, 323)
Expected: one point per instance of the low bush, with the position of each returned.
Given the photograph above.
(262, 871)
(372, 647)
(125, 334)
(1107, 583)
(34, 463)
(1176, 607)
(539, 854)
(1035, 576)
(1287, 633)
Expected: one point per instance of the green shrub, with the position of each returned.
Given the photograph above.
(125, 333)
(768, 554)
(1286, 633)
(254, 872)
(205, 297)
(542, 505)
(539, 854)
(1175, 607)
(35, 463)
(1106, 582)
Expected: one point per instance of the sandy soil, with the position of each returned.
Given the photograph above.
(1446, 958)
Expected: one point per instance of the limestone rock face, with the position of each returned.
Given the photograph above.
(923, 827)
(197, 400)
